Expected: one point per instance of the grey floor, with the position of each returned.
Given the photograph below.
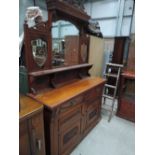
(114, 138)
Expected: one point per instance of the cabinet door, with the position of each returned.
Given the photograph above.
(69, 137)
(24, 141)
(93, 94)
(69, 128)
(93, 113)
(37, 134)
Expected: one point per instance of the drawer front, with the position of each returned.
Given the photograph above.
(70, 122)
(93, 113)
(24, 145)
(94, 93)
(71, 104)
(70, 116)
(37, 134)
(69, 137)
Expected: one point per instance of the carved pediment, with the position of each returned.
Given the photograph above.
(77, 3)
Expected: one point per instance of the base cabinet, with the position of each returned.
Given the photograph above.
(31, 136)
(24, 147)
(31, 127)
(68, 124)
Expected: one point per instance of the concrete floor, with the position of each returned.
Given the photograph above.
(114, 138)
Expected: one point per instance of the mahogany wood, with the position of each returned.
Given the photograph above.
(56, 70)
(48, 79)
(72, 50)
(70, 113)
(119, 48)
(67, 10)
(31, 127)
(71, 99)
(40, 78)
(126, 100)
(38, 32)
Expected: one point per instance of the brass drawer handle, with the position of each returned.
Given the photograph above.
(65, 106)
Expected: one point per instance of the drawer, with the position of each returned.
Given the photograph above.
(71, 104)
(70, 116)
(94, 93)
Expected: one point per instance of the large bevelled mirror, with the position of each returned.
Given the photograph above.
(65, 44)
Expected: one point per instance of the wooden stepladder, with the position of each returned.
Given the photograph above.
(112, 71)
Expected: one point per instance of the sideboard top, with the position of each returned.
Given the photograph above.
(28, 107)
(55, 97)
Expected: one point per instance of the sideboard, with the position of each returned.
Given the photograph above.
(70, 113)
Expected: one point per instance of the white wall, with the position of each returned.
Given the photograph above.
(114, 16)
(113, 20)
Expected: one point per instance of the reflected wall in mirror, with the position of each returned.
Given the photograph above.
(39, 51)
(65, 44)
(84, 52)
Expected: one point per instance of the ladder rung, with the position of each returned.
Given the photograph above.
(111, 75)
(107, 96)
(110, 86)
(115, 65)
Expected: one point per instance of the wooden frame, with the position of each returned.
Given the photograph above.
(56, 10)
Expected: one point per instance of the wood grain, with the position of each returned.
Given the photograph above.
(56, 97)
(28, 107)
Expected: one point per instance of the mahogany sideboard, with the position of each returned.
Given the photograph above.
(31, 127)
(70, 113)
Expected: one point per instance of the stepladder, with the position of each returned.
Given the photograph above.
(112, 75)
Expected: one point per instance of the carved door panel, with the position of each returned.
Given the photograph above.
(24, 141)
(93, 113)
(69, 137)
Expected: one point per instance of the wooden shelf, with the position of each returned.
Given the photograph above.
(128, 75)
(56, 70)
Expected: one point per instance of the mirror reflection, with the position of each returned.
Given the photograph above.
(84, 52)
(65, 42)
(39, 51)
